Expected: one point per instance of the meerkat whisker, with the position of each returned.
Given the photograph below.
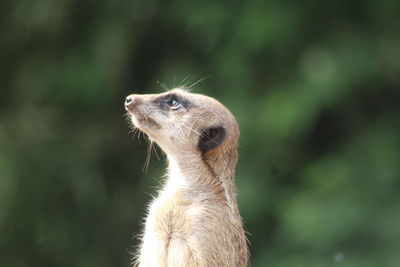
(163, 86)
(147, 161)
(198, 81)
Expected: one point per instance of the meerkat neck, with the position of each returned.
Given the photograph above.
(201, 178)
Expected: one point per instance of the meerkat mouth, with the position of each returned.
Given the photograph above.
(143, 122)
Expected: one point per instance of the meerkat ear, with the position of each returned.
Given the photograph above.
(211, 138)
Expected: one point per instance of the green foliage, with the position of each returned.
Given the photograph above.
(314, 85)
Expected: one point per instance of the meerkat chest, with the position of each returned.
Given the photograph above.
(173, 214)
(166, 226)
(167, 212)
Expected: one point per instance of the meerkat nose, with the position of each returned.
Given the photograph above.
(129, 102)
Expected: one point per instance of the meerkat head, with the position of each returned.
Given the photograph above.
(183, 122)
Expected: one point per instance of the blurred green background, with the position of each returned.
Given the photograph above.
(315, 86)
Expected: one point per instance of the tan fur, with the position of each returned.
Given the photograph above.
(194, 221)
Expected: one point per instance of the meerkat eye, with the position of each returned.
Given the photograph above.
(174, 104)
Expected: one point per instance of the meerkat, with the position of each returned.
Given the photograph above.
(195, 220)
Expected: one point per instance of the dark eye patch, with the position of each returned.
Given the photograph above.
(164, 101)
